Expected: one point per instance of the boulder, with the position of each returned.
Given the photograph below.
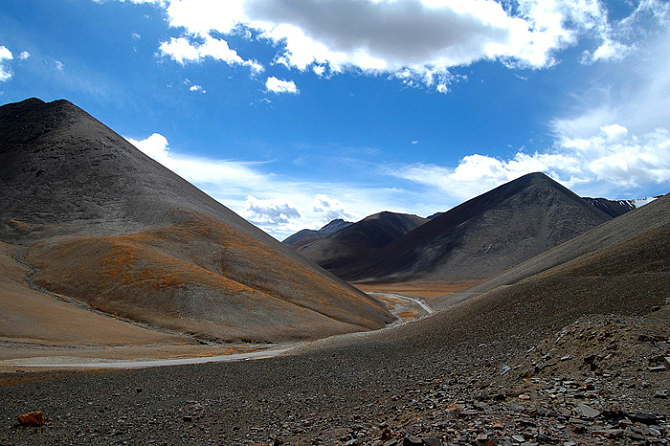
(36, 418)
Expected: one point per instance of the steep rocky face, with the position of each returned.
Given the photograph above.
(485, 235)
(613, 208)
(137, 240)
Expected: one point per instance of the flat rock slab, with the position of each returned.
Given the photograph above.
(587, 411)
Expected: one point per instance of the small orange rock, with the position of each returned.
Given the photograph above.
(33, 419)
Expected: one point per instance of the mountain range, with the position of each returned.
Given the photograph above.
(332, 227)
(337, 246)
(91, 221)
(563, 339)
(100, 223)
(475, 240)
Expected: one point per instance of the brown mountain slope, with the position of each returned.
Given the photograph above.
(483, 236)
(113, 228)
(626, 273)
(30, 317)
(357, 240)
(201, 277)
(633, 224)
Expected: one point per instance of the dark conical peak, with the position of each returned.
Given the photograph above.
(60, 166)
(18, 110)
(484, 235)
(528, 180)
(22, 122)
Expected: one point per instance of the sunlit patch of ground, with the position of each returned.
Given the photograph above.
(425, 290)
(29, 358)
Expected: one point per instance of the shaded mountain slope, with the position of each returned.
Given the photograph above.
(310, 234)
(485, 235)
(613, 208)
(650, 218)
(358, 240)
(113, 228)
(629, 277)
(64, 172)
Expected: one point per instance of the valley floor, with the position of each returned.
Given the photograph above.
(596, 380)
(144, 348)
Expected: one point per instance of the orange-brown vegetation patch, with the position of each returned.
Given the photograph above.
(426, 290)
(18, 225)
(409, 315)
(205, 278)
(29, 319)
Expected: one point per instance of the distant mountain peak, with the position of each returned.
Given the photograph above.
(485, 235)
(334, 226)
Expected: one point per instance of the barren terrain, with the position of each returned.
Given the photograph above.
(570, 347)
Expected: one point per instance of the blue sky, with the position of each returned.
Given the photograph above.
(296, 112)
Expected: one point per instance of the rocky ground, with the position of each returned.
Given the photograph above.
(602, 379)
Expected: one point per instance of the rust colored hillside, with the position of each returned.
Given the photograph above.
(110, 228)
(201, 277)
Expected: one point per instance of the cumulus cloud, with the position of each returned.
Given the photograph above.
(270, 212)
(279, 206)
(613, 158)
(330, 209)
(5, 57)
(419, 38)
(275, 85)
(184, 50)
(24, 55)
(197, 89)
(155, 146)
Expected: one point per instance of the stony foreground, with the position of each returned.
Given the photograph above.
(599, 380)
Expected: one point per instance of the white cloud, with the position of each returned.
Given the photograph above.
(609, 50)
(184, 50)
(197, 89)
(423, 38)
(236, 175)
(270, 212)
(279, 206)
(5, 56)
(155, 146)
(59, 65)
(611, 160)
(24, 55)
(330, 209)
(281, 86)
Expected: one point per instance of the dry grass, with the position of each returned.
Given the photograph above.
(205, 278)
(425, 290)
(34, 321)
